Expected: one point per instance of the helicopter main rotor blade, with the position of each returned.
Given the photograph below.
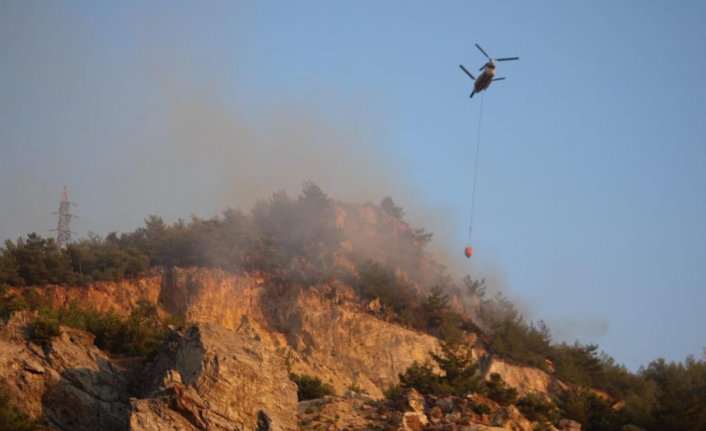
(506, 58)
(467, 72)
(498, 79)
(484, 53)
(483, 66)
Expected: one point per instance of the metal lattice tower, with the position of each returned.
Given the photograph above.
(63, 227)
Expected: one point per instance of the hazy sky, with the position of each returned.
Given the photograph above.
(591, 198)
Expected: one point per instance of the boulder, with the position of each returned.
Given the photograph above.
(445, 404)
(412, 421)
(510, 417)
(412, 400)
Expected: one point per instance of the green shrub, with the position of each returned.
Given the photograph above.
(392, 393)
(498, 391)
(141, 334)
(460, 369)
(591, 411)
(309, 388)
(43, 328)
(459, 372)
(379, 281)
(422, 378)
(11, 303)
(526, 343)
(481, 409)
(538, 409)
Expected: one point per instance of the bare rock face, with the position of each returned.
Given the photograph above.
(157, 415)
(68, 380)
(212, 378)
(120, 296)
(323, 330)
(206, 378)
(211, 296)
(526, 380)
(333, 337)
(246, 330)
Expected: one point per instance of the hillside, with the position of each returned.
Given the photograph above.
(322, 331)
(223, 323)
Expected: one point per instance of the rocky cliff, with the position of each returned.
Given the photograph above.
(212, 378)
(331, 335)
(228, 368)
(321, 330)
(118, 296)
(67, 380)
(206, 377)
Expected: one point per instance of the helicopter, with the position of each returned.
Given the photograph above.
(487, 72)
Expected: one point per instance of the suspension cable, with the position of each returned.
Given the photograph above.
(475, 168)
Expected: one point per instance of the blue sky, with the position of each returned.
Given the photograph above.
(591, 193)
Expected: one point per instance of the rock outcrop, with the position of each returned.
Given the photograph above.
(414, 412)
(67, 380)
(204, 378)
(212, 378)
(120, 296)
(526, 380)
(229, 368)
(321, 330)
(333, 337)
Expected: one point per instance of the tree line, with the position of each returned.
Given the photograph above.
(278, 233)
(282, 236)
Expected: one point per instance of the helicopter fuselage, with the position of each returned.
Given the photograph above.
(484, 80)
